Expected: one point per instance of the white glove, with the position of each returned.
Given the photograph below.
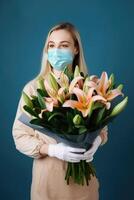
(64, 152)
(88, 155)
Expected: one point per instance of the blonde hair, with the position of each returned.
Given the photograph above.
(79, 58)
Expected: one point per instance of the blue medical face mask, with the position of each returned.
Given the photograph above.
(60, 58)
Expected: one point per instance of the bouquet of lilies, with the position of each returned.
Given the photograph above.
(73, 109)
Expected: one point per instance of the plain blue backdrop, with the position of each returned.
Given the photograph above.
(107, 32)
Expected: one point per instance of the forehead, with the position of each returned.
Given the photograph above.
(60, 35)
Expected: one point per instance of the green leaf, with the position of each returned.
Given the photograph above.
(69, 74)
(70, 117)
(55, 114)
(41, 101)
(30, 111)
(79, 126)
(37, 110)
(35, 102)
(82, 130)
(42, 92)
(33, 97)
(97, 105)
(100, 115)
(27, 100)
(36, 122)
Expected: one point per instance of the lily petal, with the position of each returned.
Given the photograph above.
(113, 93)
(91, 84)
(103, 83)
(79, 93)
(94, 78)
(73, 82)
(88, 110)
(75, 104)
(49, 106)
(98, 97)
(50, 103)
(90, 92)
(70, 103)
(107, 104)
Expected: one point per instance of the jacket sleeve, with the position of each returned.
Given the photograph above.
(104, 135)
(26, 140)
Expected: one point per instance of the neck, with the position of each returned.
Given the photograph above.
(58, 72)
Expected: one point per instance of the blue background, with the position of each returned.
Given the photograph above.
(107, 32)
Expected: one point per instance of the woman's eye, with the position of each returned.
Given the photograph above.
(65, 45)
(51, 45)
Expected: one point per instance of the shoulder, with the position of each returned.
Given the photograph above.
(30, 87)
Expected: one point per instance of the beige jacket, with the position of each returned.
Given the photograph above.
(48, 173)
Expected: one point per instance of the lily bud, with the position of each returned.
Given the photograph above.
(120, 87)
(119, 107)
(27, 100)
(76, 71)
(77, 119)
(93, 78)
(52, 82)
(85, 85)
(111, 78)
(40, 83)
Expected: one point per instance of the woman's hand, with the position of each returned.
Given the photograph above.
(64, 152)
(90, 153)
(98, 140)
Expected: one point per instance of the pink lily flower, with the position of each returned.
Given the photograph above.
(84, 102)
(102, 88)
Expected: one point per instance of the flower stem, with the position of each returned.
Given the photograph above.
(78, 171)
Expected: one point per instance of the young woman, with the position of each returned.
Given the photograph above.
(62, 48)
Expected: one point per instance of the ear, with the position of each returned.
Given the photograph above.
(76, 51)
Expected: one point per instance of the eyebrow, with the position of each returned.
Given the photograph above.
(60, 42)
